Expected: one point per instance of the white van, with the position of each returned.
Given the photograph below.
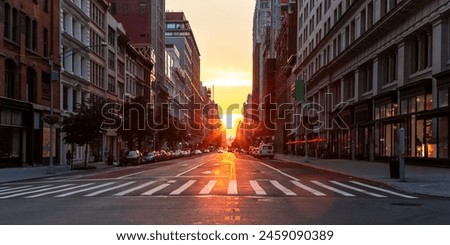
(265, 150)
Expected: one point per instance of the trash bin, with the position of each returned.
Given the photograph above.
(394, 167)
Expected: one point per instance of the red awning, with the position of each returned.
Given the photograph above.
(309, 141)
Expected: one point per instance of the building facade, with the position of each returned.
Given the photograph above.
(373, 67)
(29, 48)
(180, 35)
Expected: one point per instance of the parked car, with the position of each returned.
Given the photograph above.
(178, 154)
(134, 157)
(197, 152)
(265, 150)
(150, 157)
(220, 151)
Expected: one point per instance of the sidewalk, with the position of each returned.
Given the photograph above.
(418, 179)
(27, 173)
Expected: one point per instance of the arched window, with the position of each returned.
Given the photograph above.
(31, 85)
(11, 79)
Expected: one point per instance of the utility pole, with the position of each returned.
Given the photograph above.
(51, 168)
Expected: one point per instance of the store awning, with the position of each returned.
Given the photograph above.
(315, 140)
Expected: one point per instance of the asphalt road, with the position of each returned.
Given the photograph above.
(217, 188)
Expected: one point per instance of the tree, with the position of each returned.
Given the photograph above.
(136, 121)
(83, 126)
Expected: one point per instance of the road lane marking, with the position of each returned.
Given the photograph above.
(307, 188)
(279, 171)
(134, 188)
(189, 170)
(14, 188)
(57, 191)
(154, 190)
(232, 187)
(86, 189)
(357, 189)
(208, 188)
(282, 188)
(232, 171)
(109, 189)
(24, 189)
(34, 191)
(257, 188)
(332, 189)
(183, 188)
(383, 190)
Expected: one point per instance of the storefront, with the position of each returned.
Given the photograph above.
(386, 125)
(341, 140)
(364, 130)
(15, 131)
(426, 128)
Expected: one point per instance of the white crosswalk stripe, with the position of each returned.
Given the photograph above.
(154, 190)
(257, 188)
(192, 187)
(3, 187)
(23, 189)
(109, 189)
(332, 189)
(208, 188)
(123, 193)
(34, 191)
(58, 191)
(307, 188)
(383, 190)
(183, 188)
(84, 190)
(13, 188)
(357, 189)
(282, 188)
(232, 187)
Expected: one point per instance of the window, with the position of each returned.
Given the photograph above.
(45, 42)
(111, 36)
(46, 87)
(443, 97)
(363, 22)
(421, 51)
(370, 15)
(388, 65)
(111, 84)
(366, 78)
(65, 98)
(349, 87)
(111, 60)
(11, 79)
(31, 85)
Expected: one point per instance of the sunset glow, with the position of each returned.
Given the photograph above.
(223, 32)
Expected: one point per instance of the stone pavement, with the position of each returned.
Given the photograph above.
(432, 181)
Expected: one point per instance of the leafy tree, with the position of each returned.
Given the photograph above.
(83, 126)
(136, 121)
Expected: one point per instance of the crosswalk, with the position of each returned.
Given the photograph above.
(201, 187)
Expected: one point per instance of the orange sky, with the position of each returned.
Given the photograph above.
(223, 31)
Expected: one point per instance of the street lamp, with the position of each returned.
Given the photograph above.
(305, 110)
(51, 120)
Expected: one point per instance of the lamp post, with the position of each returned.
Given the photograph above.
(50, 167)
(305, 113)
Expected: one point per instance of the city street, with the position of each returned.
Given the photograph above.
(216, 188)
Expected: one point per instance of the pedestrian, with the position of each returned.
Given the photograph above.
(69, 157)
(110, 158)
